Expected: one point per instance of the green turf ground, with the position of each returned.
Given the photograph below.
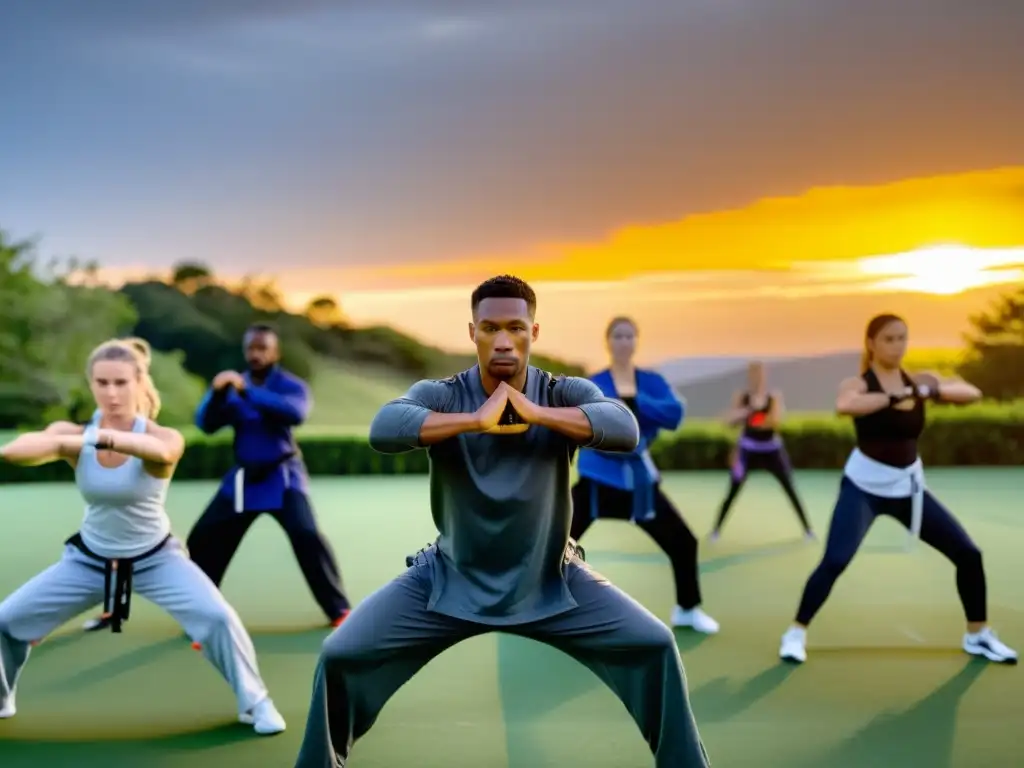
(885, 684)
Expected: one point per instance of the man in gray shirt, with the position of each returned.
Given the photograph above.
(501, 438)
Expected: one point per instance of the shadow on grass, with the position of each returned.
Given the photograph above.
(599, 557)
(921, 735)
(718, 701)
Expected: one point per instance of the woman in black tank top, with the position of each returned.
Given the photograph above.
(759, 448)
(884, 476)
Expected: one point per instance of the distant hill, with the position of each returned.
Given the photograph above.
(808, 383)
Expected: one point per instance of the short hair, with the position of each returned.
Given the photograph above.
(504, 287)
(261, 328)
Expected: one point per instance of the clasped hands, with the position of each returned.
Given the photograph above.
(507, 412)
(926, 386)
(226, 379)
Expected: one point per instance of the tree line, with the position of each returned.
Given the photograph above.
(55, 312)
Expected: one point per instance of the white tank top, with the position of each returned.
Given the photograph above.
(124, 506)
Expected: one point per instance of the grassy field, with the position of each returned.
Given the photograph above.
(885, 684)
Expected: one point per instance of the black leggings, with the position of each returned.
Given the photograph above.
(777, 464)
(668, 530)
(854, 513)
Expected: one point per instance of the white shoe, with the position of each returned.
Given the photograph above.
(95, 624)
(986, 644)
(264, 718)
(794, 646)
(8, 709)
(695, 619)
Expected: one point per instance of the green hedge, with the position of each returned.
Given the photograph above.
(980, 435)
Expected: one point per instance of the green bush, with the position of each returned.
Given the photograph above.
(979, 435)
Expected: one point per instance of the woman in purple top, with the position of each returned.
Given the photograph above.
(759, 410)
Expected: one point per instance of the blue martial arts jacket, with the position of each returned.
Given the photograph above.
(658, 407)
(262, 417)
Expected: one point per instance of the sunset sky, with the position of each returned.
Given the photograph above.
(743, 178)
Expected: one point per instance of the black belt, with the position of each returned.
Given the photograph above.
(117, 597)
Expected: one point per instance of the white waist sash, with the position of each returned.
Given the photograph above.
(880, 479)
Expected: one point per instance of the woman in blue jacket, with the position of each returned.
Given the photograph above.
(627, 486)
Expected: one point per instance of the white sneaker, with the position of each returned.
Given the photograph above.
(264, 718)
(986, 644)
(794, 646)
(695, 619)
(8, 709)
(97, 623)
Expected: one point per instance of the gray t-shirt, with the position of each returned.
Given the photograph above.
(501, 503)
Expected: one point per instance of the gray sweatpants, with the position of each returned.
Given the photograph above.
(168, 578)
(392, 635)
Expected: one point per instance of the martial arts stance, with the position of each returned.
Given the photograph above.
(627, 486)
(263, 406)
(884, 476)
(123, 464)
(501, 436)
(760, 446)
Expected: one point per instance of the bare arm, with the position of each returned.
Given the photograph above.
(160, 448)
(591, 419)
(737, 412)
(855, 400)
(951, 389)
(60, 440)
(777, 411)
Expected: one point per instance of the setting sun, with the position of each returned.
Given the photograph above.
(945, 270)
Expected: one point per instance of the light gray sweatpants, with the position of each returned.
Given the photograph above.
(168, 578)
(392, 634)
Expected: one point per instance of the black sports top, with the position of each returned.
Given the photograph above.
(754, 427)
(630, 403)
(890, 435)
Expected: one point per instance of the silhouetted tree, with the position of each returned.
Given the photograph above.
(324, 312)
(995, 348)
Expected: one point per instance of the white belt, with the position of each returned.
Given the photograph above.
(892, 483)
(240, 490)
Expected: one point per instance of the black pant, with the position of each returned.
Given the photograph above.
(668, 529)
(218, 532)
(775, 463)
(854, 513)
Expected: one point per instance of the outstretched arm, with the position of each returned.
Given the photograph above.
(591, 419)
(60, 440)
(659, 403)
(418, 419)
(290, 406)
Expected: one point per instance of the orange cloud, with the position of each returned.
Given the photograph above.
(983, 209)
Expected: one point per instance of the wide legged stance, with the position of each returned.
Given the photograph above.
(215, 538)
(393, 634)
(167, 578)
(854, 514)
(776, 463)
(667, 528)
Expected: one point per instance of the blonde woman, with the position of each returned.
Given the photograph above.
(123, 462)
